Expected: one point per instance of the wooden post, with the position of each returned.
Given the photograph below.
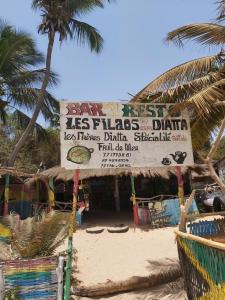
(2, 286)
(135, 209)
(51, 194)
(6, 196)
(180, 185)
(184, 212)
(72, 229)
(59, 272)
(117, 194)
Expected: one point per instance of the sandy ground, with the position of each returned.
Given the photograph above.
(119, 256)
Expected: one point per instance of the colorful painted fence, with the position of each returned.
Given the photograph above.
(170, 207)
(34, 278)
(203, 261)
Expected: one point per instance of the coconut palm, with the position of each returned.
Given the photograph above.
(198, 85)
(19, 77)
(61, 17)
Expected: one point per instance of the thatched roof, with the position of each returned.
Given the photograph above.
(199, 172)
(13, 172)
(59, 173)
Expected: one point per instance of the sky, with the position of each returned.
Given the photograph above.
(134, 50)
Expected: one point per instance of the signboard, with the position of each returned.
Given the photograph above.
(123, 135)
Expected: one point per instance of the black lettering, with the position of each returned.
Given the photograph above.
(184, 125)
(96, 122)
(85, 123)
(69, 123)
(135, 124)
(127, 124)
(156, 124)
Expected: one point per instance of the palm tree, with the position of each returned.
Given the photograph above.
(61, 17)
(19, 77)
(198, 85)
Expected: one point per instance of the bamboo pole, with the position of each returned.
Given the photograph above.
(72, 229)
(200, 240)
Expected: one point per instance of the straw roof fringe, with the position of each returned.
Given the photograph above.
(60, 173)
(13, 172)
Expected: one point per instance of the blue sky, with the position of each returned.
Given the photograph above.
(134, 51)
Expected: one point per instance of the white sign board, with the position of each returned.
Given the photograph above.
(117, 135)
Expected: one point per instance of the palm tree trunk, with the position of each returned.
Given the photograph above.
(209, 158)
(40, 101)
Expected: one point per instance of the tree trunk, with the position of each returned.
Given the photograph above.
(209, 158)
(163, 275)
(40, 101)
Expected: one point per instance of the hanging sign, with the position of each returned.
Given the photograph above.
(119, 135)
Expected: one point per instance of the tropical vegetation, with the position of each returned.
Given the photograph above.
(42, 147)
(197, 85)
(60, 18)
(20, 74)
(31, 238)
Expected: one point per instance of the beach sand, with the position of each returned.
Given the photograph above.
(119, 256)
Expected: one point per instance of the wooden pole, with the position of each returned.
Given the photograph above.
(201, 240)
(117, 194)
(6, 196)
(180, 185)
(72, 229)
(59, 272)
(2, 285)
(184, 212)
(135, 209)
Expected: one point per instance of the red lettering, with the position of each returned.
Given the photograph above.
(97, 109)
(85, 109)
(91, 109)
(73, 109)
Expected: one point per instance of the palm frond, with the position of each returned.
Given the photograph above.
(221, 10)
(205, 34)
(17, 51)
(182, 74)
(205, 101)
(22, 120)
(201, 129)
(184, 91)
(38, 238)
(30, 78)
(85, 33)
(27, 98)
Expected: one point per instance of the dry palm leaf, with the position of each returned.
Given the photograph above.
(204, 33)
(183, 92)
(221, 10)
(182, 74)
(37, 238)
(205, 101)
